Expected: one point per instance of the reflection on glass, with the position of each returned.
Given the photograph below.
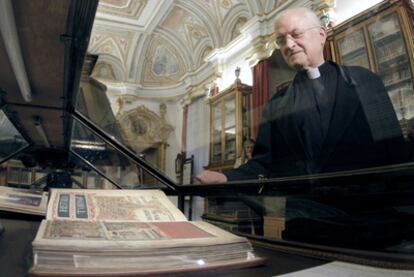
(230, 143)
(142, 130)
(86, 178)
(18, 175)
(394, 67)
(111, 163)
(79, 176)
(11, 141)
(349, 210)
(352, 49)
(230, 129)
(216, 148)
(93, 103)
(230, 112)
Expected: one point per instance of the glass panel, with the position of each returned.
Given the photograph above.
(141, 129)
(352, 49)
(80, 176)
(232, 214)
(230, 144)
(40, 177)
(111, 163)
(11, 141)
(230, 113)
(230, 128)
(389, 45)
(336, 215)
(216, 151)
(355, 193)
(394, 67)
(85, 177)
(93, 103)
(303, 195)
(245, 118)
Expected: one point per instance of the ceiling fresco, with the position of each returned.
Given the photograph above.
(159, 43)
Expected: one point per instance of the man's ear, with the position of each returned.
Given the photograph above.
(322, 33)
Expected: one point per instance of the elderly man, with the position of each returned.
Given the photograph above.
(330, 118)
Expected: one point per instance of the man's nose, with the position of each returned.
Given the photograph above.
(290, 42)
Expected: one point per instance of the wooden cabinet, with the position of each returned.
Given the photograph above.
(229, 125)
(381, 39)
(229, 128)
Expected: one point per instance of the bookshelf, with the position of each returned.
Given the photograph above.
(381, 39)
(230, 125)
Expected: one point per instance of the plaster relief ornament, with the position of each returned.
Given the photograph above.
(226, 4)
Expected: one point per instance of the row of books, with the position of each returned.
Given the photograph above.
(352, 43)
(390, 50)
(396, 76)
(357, 60)
(386, 27)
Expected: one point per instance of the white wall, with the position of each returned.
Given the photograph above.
(228, 76)
(198, 139)
(346, 9)
(198, 133)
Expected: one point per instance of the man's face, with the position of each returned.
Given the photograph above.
(300, 40)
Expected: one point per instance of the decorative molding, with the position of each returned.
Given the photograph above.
(145, 21)
(111, 64)
(104, 71)
(144, 128)
(122, 8)
(112, 42)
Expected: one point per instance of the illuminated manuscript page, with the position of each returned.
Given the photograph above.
(112, 205)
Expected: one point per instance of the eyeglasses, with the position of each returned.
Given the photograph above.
(294, 35)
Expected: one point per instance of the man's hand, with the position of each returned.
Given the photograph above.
(209, 177)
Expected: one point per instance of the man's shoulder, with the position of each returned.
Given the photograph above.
(358, 72)
(281, 90)
(357, 68)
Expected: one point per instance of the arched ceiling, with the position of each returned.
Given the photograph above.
(155, 44)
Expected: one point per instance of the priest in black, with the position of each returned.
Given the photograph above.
(330, 118)
(341, 120)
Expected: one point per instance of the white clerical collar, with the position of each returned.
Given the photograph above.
(313, 73)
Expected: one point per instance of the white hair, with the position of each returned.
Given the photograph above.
(306, 12)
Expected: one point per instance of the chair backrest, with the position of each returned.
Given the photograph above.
(184, 169)
(188, 170)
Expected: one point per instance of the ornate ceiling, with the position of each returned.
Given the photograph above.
(159, 45)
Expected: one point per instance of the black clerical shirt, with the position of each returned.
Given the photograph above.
(314, 103)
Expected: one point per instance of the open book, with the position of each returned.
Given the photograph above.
(23, 201)
(129, 232)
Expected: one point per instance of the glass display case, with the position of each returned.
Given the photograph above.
(381, 40)
(229, 113)
(361, 215)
